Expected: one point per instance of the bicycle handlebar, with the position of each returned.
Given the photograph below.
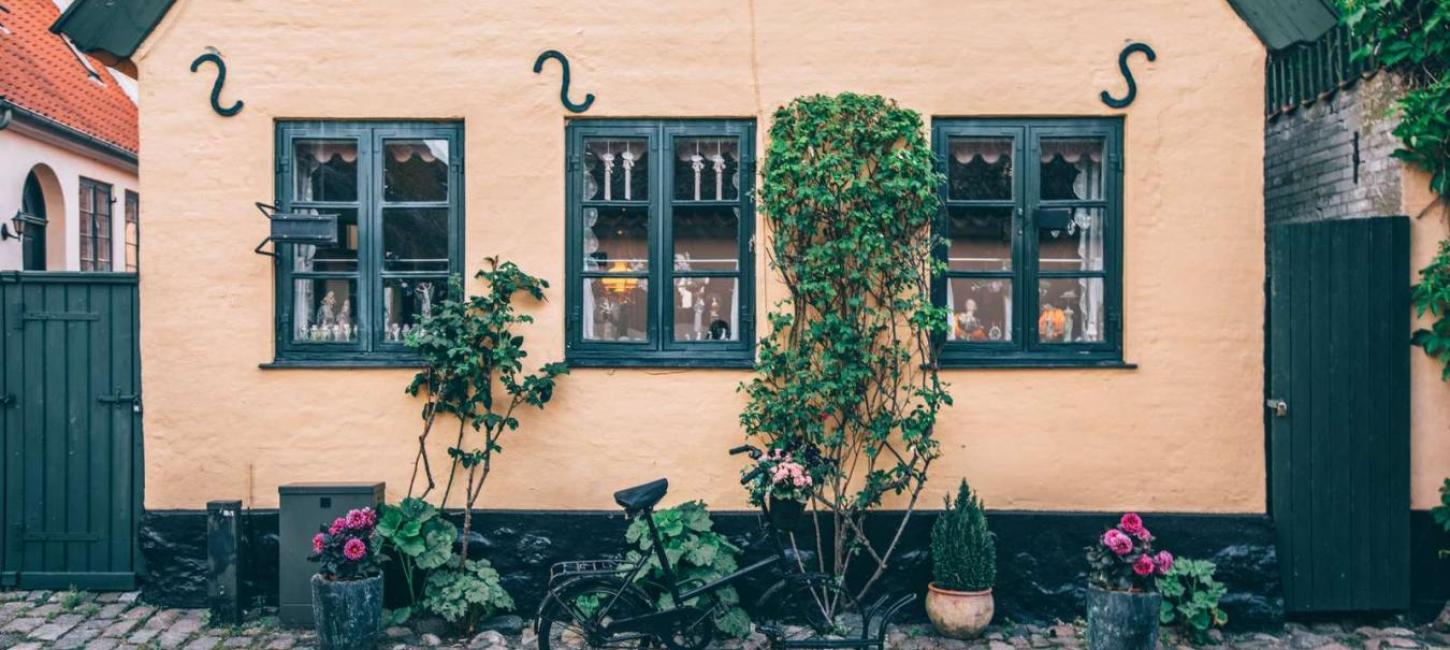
(747, 449)
(751, 476)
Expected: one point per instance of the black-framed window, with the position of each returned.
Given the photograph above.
(398, 192)
(1032, 220)
(133, 231)
(32, 213)
(660, 259)
(95, 225)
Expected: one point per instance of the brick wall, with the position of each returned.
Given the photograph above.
(1309, 170)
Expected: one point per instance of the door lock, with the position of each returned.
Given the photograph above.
(1280, 407)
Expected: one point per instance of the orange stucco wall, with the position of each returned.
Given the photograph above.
(1429, 394)
(1181, 432)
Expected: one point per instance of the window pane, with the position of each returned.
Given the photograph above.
(415, 239)
(616, 169)
(133, 219)
(324, 311)
(707, 309)
(1072, 310)
(616, 239)
(326, 170)
(707, 169)
(707, 239)
(406, 301)
(615, 309)
(1070, 239)
(339, 258)
(981, 309)
(981, 239)
(1072, 169)
(415, 170)
(979, 169)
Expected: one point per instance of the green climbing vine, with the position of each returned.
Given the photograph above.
(1412, 39)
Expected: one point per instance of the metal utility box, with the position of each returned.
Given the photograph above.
(306, 507)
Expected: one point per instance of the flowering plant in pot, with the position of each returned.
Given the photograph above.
(1123, 602)
(785, 487)
(963, 568)
(347, 592)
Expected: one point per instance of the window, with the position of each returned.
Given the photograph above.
(660, 218)
(32, 212)
(133, 231)
(95, 226)
(1032, 224)
(397, 191)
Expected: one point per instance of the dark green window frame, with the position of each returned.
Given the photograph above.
(372, 346)
(660, 349)
(1024, 349)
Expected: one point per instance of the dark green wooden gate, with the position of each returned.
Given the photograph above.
(71, 426)
(1338, 418)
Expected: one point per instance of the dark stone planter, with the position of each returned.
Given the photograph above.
(1119, 620)
(786, 514)
(347, 612)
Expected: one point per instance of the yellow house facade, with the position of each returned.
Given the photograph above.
(1132, 380)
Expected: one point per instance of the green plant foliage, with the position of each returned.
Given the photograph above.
(420, 538)
(699, 555)
(465, 597)
(1442, 511)
(1190, 598)
(963, 550)
(474, 372)
(1412, 38)
(845, 380)
(1432, 296)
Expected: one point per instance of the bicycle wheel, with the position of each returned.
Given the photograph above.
(810, 607)
(575, 615)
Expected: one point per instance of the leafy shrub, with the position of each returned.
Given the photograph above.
(963, 550)
(1442, 511)
(1124, 559)
(845, 381)
(1432, 295)
(347, 549)
(1190, 598)
(699, 555)
(465, 597)
(422, 540)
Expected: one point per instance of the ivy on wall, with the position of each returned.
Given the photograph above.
(1412, 39)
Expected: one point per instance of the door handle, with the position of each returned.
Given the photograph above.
(1280, 407)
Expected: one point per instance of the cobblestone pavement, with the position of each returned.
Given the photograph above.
(30, 620)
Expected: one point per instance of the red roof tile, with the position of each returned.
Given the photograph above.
(42, 74)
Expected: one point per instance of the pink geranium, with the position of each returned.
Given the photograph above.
(338, 525)
(357, 519)
(1119, 543)
(1132, 524)
(355, 549)
(317, 542)
(1144, 565)
(1164, 560)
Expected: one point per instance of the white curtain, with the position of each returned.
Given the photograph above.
(1087, 158)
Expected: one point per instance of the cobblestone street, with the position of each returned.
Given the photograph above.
(31, 620)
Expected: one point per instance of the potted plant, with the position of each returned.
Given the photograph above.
(785, 486)
(1122, 600)
(964, 568)
(347, 592)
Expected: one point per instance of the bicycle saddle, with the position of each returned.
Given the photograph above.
(641, 497)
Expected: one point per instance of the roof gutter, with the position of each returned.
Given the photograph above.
(14, 116)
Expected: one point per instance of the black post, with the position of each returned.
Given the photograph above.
(223, 548)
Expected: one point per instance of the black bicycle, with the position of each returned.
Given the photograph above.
(599, 603)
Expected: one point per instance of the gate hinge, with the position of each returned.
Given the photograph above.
(122, 399)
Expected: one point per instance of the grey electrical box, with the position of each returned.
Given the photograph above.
(306, 507)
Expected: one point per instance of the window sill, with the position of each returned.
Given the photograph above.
(661, 363)
(1034, 364)
(340, 364)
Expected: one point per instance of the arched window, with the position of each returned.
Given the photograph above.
(32, 211)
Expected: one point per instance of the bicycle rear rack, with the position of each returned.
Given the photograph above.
(580, 568)
(878, 619)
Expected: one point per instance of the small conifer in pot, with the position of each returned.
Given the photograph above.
(964, 568)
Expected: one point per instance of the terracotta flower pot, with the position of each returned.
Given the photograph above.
(347, 613)
(1122, 620)
(959, 614)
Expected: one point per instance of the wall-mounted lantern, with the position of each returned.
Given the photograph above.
(18, 222)
(298, 228)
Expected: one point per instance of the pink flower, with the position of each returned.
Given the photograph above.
(357, 519)
(1143, 565)
(1164, 560)
(1132, 524)
(1119, 543)
(317, 541)
(338, 525)
(354, 549)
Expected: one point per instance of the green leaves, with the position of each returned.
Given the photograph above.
(963, 550)
(421, 538)
(1432, 296)
(1442, 511)
(463, 597)
(1190, 598)
(699, 555)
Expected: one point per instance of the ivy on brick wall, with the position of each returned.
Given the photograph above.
(1412, 39)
